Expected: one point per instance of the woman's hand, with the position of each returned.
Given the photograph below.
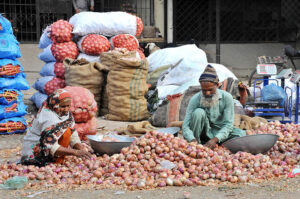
(81, 146)
(83, 153)
(87, 147)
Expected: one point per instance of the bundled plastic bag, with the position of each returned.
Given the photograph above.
(64, 50)
(83, 106)
(48, 69)
(124, 41)
(13, 125)
(6, 25)
(38, 99)
(93, 44)
(104, 23)
(9, 46)
(61, 31)
(13, 110)
(45, 38)
(9, 96)
(10, 68)
(19, 82)
(272, 92)
(16, 182)
(53, 69)
(47, 55)
(41, 82)
(89, 58)
(87, 128)
(87, 75)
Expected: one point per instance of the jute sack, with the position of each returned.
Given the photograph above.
(104, 98)
(126, 85)
(85, 74)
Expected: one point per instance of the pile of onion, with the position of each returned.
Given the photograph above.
(140, 166)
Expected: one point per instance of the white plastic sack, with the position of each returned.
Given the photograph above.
(89, 58)
(189, 53)
(188, 70)
(45, 38)
(106, 23)
(164, 91)
(47, 55)
(257, 92)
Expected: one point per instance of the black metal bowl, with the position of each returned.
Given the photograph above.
(254, 144)
(109, 148)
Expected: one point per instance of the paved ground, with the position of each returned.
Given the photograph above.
(10, 147)
(283, 189)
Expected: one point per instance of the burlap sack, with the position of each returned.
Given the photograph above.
(237, 120)
(249, 123)
(126, 85)
(104, 98)
(85, 74)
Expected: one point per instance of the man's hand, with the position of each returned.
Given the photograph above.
(212, 143)
(194, 141)
(77, 10)
(92, 8)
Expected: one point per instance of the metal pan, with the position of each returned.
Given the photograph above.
(171, 130)
(254, 144)
(109, 148)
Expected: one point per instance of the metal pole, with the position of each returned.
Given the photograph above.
(297, 104)
(218, 48)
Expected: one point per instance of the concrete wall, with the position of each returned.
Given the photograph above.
(241, 59)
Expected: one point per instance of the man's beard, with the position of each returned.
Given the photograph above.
(209, 101)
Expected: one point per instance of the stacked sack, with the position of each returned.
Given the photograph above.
(126, 85)
(84, 110)
(89, 75)
(58, 46)
(12, 81)
(56, 42)
(101, 32)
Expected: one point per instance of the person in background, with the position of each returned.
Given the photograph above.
(52, 132)
(210, 113)
(83, 5)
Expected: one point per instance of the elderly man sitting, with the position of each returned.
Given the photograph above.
(210, 113)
